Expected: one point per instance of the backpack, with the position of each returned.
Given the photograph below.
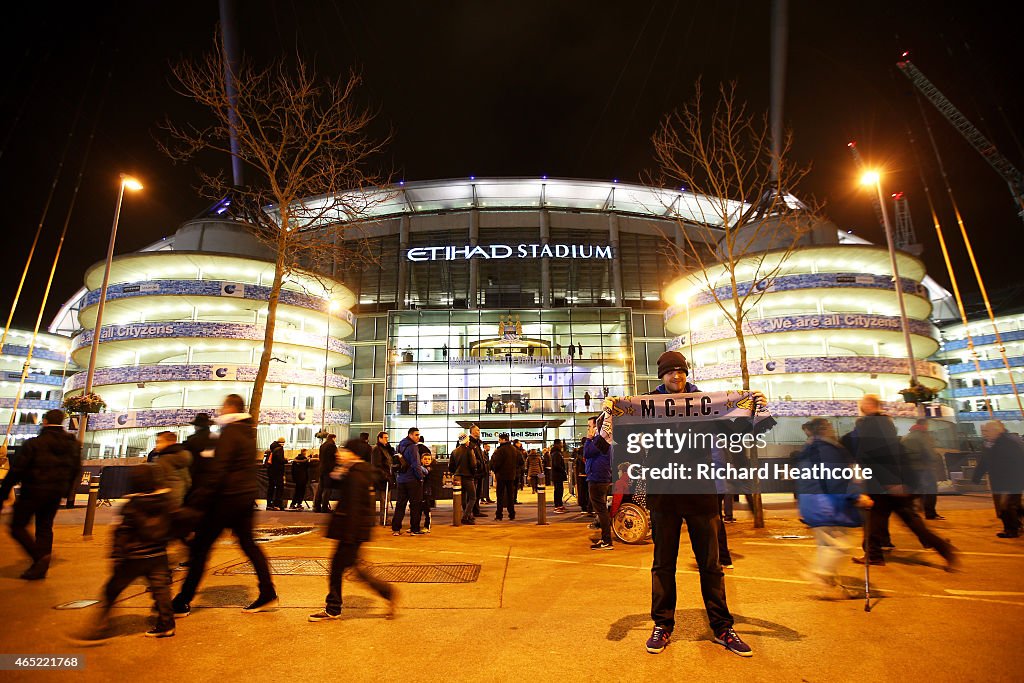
(399, 464)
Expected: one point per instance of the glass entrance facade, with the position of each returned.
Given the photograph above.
(537, 372)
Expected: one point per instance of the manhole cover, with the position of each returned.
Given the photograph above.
(266, 535)
(394, 572)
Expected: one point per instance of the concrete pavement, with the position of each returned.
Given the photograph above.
(544, 607)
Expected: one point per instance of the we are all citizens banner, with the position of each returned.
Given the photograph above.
(695, 443)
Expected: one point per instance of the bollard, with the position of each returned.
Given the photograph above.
(90, 508)
(457, 504)
(542, 512)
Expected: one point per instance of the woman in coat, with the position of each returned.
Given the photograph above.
(300, 479)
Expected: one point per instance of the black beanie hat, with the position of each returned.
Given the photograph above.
(672, 360)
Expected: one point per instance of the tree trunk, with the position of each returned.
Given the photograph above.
(755, 484)
(268, 338)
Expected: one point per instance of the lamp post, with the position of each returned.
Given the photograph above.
(129, 183)
(332, 308)
(874, 178)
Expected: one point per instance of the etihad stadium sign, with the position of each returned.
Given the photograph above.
(507, 251)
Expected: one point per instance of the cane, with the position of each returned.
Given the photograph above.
(867, 565)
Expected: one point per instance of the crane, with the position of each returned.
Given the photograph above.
(1003, 166)
(852, 146)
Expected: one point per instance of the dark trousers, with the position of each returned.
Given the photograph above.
(1009, 512)
(236, 515)
(582, 496)
(703, 531)
(158, 576)
(598, 494)
(347, 555)
(299, 496)
(506, 498)
(411, 493)
(483, 491)
(44, 509)
(903, 507)
(928, 502)
(559, 492)
(275, 490)
(470, 499)
(723, 541)
(322, 497)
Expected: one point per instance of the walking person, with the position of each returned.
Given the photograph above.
(535, 468)
(830, 507)
(328, 454)
(921, 458)
(409, 481)
(140, 550)
(1002, 458)
(350, 526)
(225, 499)
(700, 512)
(275, 462)
(599, 480)
(878, 447)
(464, 466)
(200, 444)
(47, 467)
(300, 480)
(175, 462)
(504, 464)
(558, 474)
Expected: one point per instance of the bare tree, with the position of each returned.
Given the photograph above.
(747, 225)
(306, 150)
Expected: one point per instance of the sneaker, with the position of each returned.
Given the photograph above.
(888, 546)
(418, 533)
(601, 545)
(559, 511)
(181, 609)
(160, 632)
(511, 518)
(469, 521)
(1008, 534)
(426, 530)
(733, 643)
(658, 640)
(323, 615)
(392, 608)
(396, 533)
(497, 518)
(262, 604)
(874, 563)
(728, 565)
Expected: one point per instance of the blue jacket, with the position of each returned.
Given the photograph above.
(827, 502)
(598, 459)
(410, 452)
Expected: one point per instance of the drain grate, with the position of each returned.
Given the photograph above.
(393, 572)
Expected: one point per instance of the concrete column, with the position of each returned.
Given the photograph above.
(613, 240)
(474, 264)
(545, 263)
(403, 262)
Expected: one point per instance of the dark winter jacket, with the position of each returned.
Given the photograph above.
(174, 461)
(879, 448)
(534, 464)
(1003, 461)
(47, 466)
(354, 515)
(276, 460)
(410, 452)
(827, 502)
(145, 526)
(558, 472)
(232, 474)
(328, 457)
(478, 454)
(382, 457)
(504, 462)
(599, 463)
(300, 472)
(463, 461)
(200, 444)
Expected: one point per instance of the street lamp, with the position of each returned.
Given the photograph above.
(332, 308)
(874, 178)
(127, 183)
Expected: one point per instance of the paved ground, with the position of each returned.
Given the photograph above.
(545, 607)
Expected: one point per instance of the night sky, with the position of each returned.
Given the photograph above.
(522, 88)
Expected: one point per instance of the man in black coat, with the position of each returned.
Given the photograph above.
(225, 500)
(300, 479)
(47, 467)
(200, 444)
(350, 525)
(276, 462)
(481, 469)
(558, 473)
(463, 464)
(878, 448)
(328, 455)
(505, 465)
(1003, 460)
